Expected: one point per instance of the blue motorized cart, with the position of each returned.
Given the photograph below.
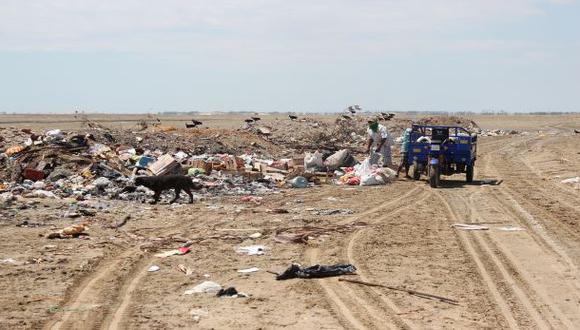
(441, 150)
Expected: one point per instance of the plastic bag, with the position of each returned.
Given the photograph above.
(365, 168)
(299, 182)
(313, 161)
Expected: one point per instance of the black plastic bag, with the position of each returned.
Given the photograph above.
(316, 271)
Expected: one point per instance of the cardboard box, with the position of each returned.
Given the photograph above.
(164, 165)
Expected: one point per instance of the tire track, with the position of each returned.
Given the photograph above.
(471, 249)
(90, 293)
(119, 313)
(541, 308)
(358, 309)
(550, 226)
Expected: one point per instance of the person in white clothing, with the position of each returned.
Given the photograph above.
(380, 141)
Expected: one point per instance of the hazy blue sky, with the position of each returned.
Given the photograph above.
(140, 55)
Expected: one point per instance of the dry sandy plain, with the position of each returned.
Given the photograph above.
(502, 279)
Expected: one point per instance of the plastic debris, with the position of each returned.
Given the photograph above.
(465, 226)
(249, 270)
(204, 287)
(316, 271)
(510, 228)
(153, 268)
(571, 180)
(299, 182)
(251, 250)
(231, 292)
(180, 251)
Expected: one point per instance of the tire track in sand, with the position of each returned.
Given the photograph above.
(119, 312)
(523, 268)
(487, 276)
(116, 317)
(83, 309)
(359, 307)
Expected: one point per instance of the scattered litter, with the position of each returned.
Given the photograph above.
(411, 292)
(251, 250)
(204, 287)
(180, 251)
(198, 313)
(465, 226)
(255, 235)
(571, 180)
(303, 234)
(333, 212)
(253, 199)
(153, 268)
(231, 292)
(70, 232)
(316, 271)
(184, 269)
(299, 182)
(249, 270)
(11, 261)
(510, 228)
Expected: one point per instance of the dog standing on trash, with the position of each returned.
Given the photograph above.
(160, 183)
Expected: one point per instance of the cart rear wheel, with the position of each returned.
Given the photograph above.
(433, 176)
(469, 173)
(416, 171)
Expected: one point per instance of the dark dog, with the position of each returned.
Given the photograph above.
(164, 182)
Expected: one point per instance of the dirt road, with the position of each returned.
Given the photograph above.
(523, 272)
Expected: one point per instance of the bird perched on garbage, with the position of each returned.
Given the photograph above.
(347, 117)
(256, 118)
(249, 121)
(292, 117)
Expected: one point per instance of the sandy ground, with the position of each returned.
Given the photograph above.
(502, 279)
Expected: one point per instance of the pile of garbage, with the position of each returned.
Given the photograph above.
(81, 165)
(466, 123)
(309, 134)
(498, 132)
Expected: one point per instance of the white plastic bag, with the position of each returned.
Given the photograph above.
(313, 161)
(365, 168)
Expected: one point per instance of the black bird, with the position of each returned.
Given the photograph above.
(256, 118)
(347, 117)
(194, 124)
(576, 131)
(249, 120)
(292, 117)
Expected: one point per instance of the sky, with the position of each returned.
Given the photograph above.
(302, 55)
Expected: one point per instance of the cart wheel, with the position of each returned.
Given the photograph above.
(469, 173)
(433, 176)
(416, 171)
